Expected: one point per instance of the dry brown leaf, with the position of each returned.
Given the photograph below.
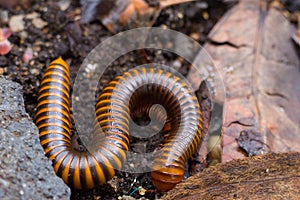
(252, 48)
(12, 3)
(271, 176)
(117, 15)
(296, 36)
(198, 160)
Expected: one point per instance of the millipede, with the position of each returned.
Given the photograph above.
(135, 90)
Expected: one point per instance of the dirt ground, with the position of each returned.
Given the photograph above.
(63, 35)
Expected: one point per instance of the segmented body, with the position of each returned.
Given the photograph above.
(136, 90)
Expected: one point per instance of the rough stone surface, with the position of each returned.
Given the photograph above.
(25, 173)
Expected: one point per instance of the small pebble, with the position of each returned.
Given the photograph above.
(28, 55)
(5, 47)
(195, 36)
(202, 5)
(205, 15)
(39, 23)
(164, 26)
(23, 36)
(3, 61)
(177, 64)
(32, 15)
(64, 4)
(142, 191)
(4, 16)
(34, 71)
(180, 15)
(16, 23)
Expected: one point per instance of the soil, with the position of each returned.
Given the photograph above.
(65, 36)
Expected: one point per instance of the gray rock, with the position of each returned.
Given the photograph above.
(25, 172)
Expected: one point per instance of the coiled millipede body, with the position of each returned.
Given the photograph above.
(134, 90)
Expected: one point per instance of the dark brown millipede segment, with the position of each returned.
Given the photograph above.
(137, 89)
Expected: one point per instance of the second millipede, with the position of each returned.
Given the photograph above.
(135, 90)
